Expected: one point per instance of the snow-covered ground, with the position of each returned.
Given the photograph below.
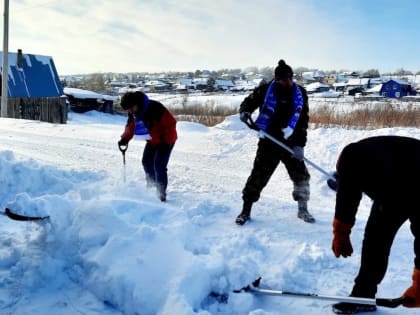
(111, 247)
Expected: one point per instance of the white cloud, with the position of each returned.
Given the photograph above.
(129, 35)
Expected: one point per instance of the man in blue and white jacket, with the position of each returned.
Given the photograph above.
(284, 114)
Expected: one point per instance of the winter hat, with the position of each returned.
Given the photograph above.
(134, 98)
(283, 71)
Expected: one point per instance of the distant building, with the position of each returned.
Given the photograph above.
(82, 101)
(34, 88)
(396, 88)
(223, 84)
(313, 76)
(32, 76)
(357, 85)
(317, 87)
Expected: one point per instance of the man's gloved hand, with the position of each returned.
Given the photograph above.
(122, 142)
(245, 116)
(298, 153)
(341, 244)
(413, 292)
(287, 132)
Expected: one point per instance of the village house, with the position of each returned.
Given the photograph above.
(34, 88)
(396, 88)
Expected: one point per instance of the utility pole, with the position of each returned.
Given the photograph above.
(5, 69)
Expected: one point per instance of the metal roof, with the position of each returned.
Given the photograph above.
(37, 76)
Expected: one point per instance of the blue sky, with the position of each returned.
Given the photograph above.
(85, 36)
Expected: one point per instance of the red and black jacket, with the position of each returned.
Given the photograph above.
(158, 120)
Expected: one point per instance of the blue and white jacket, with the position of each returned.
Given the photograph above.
(291, 109)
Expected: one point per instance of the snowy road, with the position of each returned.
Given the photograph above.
(112, 248)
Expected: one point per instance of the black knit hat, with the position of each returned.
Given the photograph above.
(133, 98)
(283, 71)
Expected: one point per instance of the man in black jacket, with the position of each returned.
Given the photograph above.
(283, 107)
(386, 169)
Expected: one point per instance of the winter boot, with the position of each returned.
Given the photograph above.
(161, 192)
(303, 212)
(245, 215)
(162, 196)
(352, 308)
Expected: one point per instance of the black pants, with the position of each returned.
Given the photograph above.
(382, 226)
(155, 161)
(266, 161)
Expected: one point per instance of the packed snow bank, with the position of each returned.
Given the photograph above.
(111, 247)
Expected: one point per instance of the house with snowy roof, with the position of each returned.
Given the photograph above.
(317, 87)
(396, 88)
(34, 88)
(313, 76)
(82, 101)
(221, 84)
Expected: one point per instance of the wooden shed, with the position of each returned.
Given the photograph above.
(34, 89)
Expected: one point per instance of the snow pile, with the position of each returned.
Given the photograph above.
(111, 247)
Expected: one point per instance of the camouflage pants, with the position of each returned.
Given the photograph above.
(266, 161)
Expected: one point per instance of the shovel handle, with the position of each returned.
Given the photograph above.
(390, 303)
(251, 124)
(123, 147)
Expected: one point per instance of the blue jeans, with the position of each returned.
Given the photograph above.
(155, 161)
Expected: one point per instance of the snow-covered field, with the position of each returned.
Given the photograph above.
(111, 247)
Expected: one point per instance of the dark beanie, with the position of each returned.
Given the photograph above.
(133, 98)
(283, 71)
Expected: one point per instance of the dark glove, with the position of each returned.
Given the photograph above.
(245, 116)
(333, 181)
(413, 292)
(298, 153)
(341, 244)
(122, 142)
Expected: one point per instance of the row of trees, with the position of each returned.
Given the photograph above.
(98, 81)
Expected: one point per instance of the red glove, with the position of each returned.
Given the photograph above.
(341, 244)
(413, 292)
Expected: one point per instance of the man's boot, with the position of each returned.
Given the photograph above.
(161, 192)
(303, 212)
(245, 215)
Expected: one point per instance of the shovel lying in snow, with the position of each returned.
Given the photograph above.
(255, 289)
(21, 217)
(251, 124)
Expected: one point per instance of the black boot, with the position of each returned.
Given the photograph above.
(245, 215)
(352, 308)
(161, 192)
(303, 212)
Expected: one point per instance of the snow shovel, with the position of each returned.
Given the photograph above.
(391, 303)
(123, 148)
(251, 124)
(21, 217)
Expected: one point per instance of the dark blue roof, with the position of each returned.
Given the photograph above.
(36, 78)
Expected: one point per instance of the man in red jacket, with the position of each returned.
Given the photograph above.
(161, 126)
(386, 169)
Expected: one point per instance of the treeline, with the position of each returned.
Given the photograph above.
(99, 82)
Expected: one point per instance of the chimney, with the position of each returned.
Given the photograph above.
(20, 58)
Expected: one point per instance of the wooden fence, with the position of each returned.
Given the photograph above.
(48, 109)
